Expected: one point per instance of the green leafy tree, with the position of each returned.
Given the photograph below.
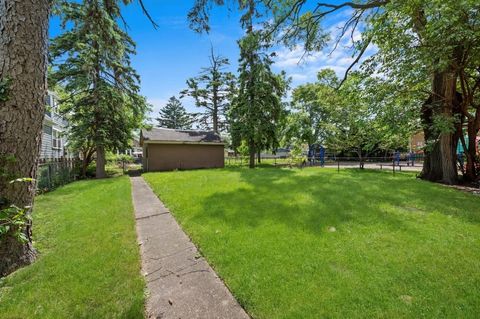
(311, 110)
(361, 116)
(213, 90)
(92, 60)
(173, 115)
(426, 47)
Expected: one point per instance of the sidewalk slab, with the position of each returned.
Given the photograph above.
(180, 283)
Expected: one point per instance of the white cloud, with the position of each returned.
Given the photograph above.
(303, 68)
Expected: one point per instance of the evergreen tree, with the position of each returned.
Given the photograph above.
(92, 59)
(213, 90)
(173, 115)
(257, 109)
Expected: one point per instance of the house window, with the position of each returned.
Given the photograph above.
(47, 129)
(56, 140)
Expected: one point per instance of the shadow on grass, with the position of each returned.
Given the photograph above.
(313, 200)
(81, 186)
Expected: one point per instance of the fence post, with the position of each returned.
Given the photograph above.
(338, 165)
(393, 165)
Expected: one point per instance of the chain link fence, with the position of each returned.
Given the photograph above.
(52, 173)
(408, 163)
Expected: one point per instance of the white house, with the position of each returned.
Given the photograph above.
(53, 132)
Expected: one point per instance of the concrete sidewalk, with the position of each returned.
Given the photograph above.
(180, 282)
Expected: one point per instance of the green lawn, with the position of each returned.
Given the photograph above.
(315, 243)
(89, 262)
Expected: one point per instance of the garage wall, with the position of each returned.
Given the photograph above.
(165, 157)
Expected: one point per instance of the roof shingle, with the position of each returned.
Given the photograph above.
(186, 136)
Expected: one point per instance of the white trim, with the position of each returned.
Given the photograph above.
(182, 143)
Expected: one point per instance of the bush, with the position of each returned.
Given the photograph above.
(116, 158)
(111, 169)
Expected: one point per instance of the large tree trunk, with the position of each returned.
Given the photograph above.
(87, 159)
(440, 159)
(360, 157)
(23, 62)
(447, 141)
(251, 150)
(471, 151)
(215, 109)
(100, 165)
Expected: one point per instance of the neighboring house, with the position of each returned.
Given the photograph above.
(417, 142)
(53, 131)
(168, 149)
(136, 151)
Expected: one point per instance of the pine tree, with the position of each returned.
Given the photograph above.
(257, 109)
(173, 115)
(213, 90)
(92, 59)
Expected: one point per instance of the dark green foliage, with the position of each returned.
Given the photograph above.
(13, 219)
(91, 59)
(173, 115)
(257, 108)
(198, 15)
(52, 175)
(4, 89)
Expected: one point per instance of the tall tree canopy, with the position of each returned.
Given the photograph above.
(361, 116)
(213, 89)
(92, 60)
(174, 115)
(257, 108)
(311, 109)
(424, 46)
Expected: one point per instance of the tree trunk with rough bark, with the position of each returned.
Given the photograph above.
(215, 107)
(23, 63)
(440, 159)
(100, 165)
(251, 150)
(447, 142)
(471, 151)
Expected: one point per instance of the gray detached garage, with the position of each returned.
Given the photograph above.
(169, 149)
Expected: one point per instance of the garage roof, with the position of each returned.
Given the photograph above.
(165, 135)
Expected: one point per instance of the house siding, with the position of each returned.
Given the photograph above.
(52, 121)
(165, 157)
(46, 149)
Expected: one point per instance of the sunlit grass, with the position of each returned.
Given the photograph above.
(88, 264)
(315, 243)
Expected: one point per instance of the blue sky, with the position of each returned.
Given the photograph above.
(170, 54)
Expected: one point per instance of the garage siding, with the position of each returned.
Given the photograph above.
(166, 157)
